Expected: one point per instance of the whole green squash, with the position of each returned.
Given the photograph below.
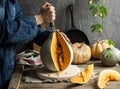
(110, 56)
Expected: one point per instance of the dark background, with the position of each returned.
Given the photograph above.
(82, 16)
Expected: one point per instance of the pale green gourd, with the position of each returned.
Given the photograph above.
(110, 56)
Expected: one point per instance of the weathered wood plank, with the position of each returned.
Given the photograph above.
(90, 85)
(16, 78)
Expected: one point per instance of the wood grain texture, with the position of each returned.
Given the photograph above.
(92, 84)
(16, 78)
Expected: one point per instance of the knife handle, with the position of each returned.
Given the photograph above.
(52, 24)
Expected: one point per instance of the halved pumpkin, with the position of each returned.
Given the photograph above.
(56, 52)
(107, 75)
(84, 76)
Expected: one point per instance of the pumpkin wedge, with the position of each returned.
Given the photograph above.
(84, 76)
(56, 53)
(107, 75)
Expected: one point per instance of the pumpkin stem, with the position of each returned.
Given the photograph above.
(81, 44)
(108, 49)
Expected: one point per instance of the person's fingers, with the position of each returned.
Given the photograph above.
(52, 16)
(65, 36)
(51, 8)
(58, 30)
(48, 12)
(46, 4)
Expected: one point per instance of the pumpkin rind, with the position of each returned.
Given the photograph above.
(106, 76)
(82, 53)
(84, 76)
(98, 47)
(56, 53)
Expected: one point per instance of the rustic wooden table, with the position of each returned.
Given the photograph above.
(18, 83)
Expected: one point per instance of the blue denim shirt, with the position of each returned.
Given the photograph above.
(14, 29)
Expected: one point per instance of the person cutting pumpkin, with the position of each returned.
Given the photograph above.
(15, 29)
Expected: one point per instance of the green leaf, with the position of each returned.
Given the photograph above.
(103, 11)
(97, 9)
(103, 1)
(94, 8)
(108, 54)
(110, 42)
(96, 27)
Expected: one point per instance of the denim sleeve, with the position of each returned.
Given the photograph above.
(2, 14)
(21, 29)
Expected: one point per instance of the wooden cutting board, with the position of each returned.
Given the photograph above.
(71, 71)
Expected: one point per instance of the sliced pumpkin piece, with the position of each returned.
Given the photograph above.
(84, 76)
(107, 75)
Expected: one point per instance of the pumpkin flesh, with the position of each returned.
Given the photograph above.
(60, 52)
(106, 76)
(84, 76)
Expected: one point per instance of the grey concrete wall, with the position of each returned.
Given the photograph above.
(82, 16)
